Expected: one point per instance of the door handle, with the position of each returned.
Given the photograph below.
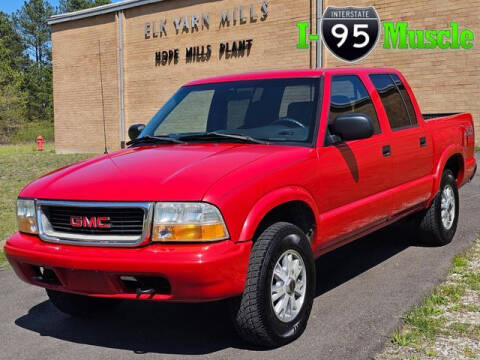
(386, 151)
(423, 141)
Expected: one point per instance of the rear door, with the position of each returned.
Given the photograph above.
(411, 145)
(355, 174)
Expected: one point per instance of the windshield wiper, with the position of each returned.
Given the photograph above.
(218, 135)
(154, 140)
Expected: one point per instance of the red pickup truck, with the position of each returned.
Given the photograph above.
(233, 189)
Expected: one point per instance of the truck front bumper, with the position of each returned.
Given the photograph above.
(177, 272)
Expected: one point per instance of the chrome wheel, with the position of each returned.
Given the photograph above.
(447, 207)
(288, 286)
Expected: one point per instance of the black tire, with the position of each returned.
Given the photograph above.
(254, 316)
(432, 229)
(79, 305)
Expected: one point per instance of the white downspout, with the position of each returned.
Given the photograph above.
(319, 12)
(121, 78)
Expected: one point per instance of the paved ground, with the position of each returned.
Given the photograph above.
(364, 288)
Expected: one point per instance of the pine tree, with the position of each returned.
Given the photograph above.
(75, 5)
(12, 41)
(12, 98)
(31, 21)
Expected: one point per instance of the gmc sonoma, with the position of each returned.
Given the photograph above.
(235, 187)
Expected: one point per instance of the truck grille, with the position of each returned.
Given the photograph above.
(121, 221)
(94, 223)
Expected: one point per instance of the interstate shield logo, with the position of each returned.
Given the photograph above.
(350, 33)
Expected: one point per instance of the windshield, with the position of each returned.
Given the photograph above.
(272, 110)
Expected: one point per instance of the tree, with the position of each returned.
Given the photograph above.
(75, 5)
(12, 41)
(12, 98)
(37, 85)
(31, 21)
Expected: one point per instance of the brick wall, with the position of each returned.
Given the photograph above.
(147, 87)
(443, 80)
(77, 87)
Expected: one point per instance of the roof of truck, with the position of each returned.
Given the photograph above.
(300, 73)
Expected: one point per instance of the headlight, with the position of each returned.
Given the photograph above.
(188, 222)
(27, 216)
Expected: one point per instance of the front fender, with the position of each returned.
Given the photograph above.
(271, 200)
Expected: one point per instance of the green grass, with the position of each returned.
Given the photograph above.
(3, 260)
(477, 148)
(425, 322)
(20, 165)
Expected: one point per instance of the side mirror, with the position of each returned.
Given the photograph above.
(353, 126)
(135, 130)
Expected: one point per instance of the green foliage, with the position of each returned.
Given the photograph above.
(406, 337)
(27, 132)
(31, 21)
(38, 87)
(75, 5)
(12, 41)
(26, 94)
(12, 99)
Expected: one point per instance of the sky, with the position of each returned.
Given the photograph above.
(10, 6)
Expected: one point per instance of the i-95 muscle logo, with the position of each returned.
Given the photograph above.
(350, 33)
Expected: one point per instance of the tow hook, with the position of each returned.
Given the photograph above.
(141, 292)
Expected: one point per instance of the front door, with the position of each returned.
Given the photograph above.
(354, 175)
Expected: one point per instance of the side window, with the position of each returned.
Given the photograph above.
(406, 98)
(392, 100)
(349, 95)
(188, 116)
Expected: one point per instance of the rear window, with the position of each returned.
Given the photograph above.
(406, 98)
(397, 105)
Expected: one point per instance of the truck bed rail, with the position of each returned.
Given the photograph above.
(437, 115)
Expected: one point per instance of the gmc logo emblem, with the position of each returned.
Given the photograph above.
(100, 222)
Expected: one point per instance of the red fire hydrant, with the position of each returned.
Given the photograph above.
(39, 143)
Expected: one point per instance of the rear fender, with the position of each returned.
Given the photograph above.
(451, 150)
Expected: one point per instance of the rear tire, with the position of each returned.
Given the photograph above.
(276, 303)
(79, 305)
(438, 223)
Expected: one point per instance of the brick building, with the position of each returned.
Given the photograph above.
(141, 51)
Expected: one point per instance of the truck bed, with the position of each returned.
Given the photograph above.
(437, 115)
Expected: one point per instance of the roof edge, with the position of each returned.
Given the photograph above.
(99, 10)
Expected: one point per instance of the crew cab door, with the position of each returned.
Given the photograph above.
(354, 175)
(411, 145)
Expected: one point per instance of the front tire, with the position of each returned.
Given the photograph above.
(79, 305)
(438, 223)
(280, 288)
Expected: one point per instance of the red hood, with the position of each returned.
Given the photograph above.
(148, 173)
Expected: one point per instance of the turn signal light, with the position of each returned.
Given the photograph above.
(188, 222)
